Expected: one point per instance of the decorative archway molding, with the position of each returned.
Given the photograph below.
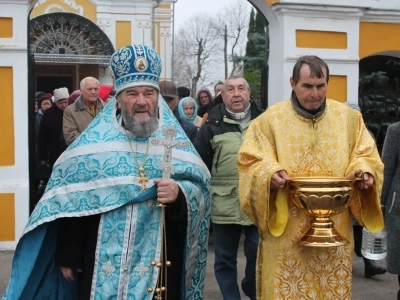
(70, 3)
(63, 37)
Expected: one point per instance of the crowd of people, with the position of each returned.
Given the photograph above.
(137, 172)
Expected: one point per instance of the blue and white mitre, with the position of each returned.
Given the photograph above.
(136, 65)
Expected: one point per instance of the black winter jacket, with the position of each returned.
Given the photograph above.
(51, 143)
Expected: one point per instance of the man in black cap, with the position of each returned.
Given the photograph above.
(171, 96)
(183, 92)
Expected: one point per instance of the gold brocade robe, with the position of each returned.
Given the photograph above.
(336, 144)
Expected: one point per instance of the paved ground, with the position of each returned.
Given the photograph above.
(382, 287)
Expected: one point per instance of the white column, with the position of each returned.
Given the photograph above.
(14, 179)
(141, 31)
(105, 77)
(285, 18)
(165, 51)
(341, 62)
(142, 28)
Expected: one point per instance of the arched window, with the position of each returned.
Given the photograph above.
(68, 38)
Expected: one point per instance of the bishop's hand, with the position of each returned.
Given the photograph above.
(68, 273)
(167, 190)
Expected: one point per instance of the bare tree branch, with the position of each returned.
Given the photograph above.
(206, 42)
(195, 47)
(235, 19)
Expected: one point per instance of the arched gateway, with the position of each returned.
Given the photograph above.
(66, 47)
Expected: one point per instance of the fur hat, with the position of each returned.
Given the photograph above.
(60, 94)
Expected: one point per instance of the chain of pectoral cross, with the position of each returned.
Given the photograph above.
(143, 179)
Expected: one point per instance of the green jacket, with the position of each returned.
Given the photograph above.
(218, 143)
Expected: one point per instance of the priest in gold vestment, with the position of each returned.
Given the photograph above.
(307, 135)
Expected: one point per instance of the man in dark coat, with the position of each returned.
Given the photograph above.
(51, 139)
(390, 198)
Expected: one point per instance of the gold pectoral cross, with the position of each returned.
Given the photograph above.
(143, 180)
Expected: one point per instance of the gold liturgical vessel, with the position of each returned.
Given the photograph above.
(322, 198)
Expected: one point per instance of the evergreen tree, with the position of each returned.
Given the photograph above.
(250, 47)
(259, 26)
(254, 59)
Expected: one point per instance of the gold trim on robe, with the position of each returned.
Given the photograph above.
(336, 144)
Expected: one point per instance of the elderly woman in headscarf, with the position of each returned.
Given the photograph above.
(188, 110)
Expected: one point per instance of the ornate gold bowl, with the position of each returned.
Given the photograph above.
(322, 198)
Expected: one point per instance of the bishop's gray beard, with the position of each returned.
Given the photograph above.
(138, 129)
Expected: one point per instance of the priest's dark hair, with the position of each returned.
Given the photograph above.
(316, 64)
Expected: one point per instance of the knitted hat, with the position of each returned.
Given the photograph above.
(44, 98)
(168, 89)
(61, 94)
(183, 92)
(136, 65)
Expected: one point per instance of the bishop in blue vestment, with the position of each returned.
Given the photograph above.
(97, 231)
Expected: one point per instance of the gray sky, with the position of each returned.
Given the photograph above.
(185, 8)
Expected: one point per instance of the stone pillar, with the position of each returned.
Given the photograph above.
(142, 31)
(328, 32)
(14, 163)
(165, 51)
(163, 23)
(304, 28)
(105, 76)
(128, 22)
